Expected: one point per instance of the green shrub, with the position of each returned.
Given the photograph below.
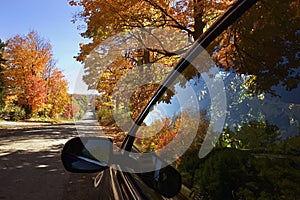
(12, 112)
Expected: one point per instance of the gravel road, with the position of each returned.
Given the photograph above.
(30, 166)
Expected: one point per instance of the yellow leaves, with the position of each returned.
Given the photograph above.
(57, 92)
(30, 76)
(107, 18)
(112, 74)
(10, 99)
(28, 54)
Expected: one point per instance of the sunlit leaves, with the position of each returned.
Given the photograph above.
(57, 95)
(30, 76)
(169, 26)
(108, 18)
(27, 57)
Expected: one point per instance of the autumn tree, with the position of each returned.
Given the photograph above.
(106, 19)
(79, 106)
(31, 78)
(56, 87)
(27, 57)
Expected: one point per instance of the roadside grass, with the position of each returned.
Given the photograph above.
(49, 120)
(42, 120)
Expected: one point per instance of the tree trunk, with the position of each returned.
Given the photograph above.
(199, 24)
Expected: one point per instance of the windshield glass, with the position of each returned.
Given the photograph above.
(230, 121)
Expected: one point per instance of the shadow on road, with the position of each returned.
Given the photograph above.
(30, 165)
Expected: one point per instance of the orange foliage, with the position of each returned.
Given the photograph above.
(58, 97)
(34, 94)
(27, 76)
(27, 57)
(110, 17)
(169, 135)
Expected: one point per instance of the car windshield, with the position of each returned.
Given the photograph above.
(230, 121)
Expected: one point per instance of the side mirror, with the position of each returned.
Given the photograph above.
(87, 154)
(95, 154)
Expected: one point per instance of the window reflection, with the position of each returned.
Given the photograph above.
(257, 153)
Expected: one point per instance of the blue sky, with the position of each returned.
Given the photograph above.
(52, 20)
